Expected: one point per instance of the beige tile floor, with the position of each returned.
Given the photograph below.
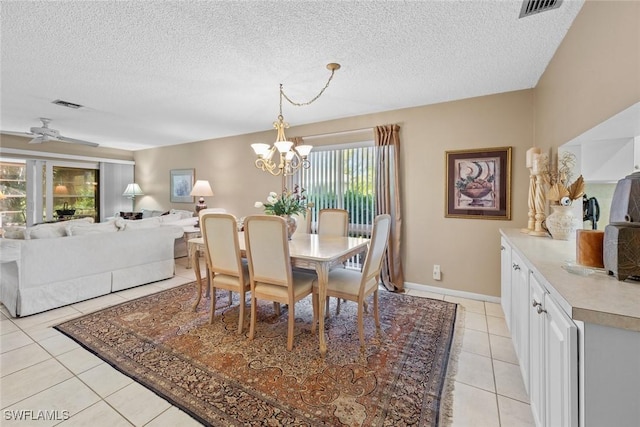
(41, 369)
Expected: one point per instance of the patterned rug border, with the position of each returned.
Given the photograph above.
(445, 388)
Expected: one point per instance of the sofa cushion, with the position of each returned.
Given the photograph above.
(165, 219)
(150, 213)
(87, 228)
(53, 229)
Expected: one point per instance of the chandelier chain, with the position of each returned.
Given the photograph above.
(302, 104)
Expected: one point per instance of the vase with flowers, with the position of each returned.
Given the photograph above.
(286, 204)
(561, 194)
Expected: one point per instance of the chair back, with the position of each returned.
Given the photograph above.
(267, 246)
(377, 247)
(222, 249)
(333, 222)
(304, 222)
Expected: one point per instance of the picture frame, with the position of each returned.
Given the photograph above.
(181, 183)
(478, 183)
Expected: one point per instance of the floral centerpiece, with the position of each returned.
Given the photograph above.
(286, 204)
(561, 190)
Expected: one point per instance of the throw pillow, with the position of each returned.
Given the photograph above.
(143, 223)
(82, 229)
(54, 229)
(170, 218)
(13, 232)
(183, 213)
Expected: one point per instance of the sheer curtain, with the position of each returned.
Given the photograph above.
(387, 142)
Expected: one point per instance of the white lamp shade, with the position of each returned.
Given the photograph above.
(289, 155)
(304, 150)
(133, 190)
(260, 149)
(202, 188)
(283, 146)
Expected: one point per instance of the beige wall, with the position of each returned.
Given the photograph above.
(593, 75)
(466, 249)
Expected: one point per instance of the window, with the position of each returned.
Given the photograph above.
(75, 193)
(13, 186)
(342, 177)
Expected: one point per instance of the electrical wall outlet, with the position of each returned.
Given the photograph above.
(436, 272)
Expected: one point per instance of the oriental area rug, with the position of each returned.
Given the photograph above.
(221, 378)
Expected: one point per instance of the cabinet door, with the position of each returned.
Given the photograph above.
(536, 350)
(505, 281)
(520, 314)
(561, 367)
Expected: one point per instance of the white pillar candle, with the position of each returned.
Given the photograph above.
(530, 153)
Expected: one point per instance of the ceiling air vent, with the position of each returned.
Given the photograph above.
(66, 104)
(531, 7)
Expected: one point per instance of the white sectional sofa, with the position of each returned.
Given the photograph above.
(83, 261)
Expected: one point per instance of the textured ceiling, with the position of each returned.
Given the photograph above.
(168, 72)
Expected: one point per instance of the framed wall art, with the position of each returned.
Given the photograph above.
(478, 183)
(181, 183)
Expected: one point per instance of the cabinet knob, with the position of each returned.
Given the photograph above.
(501, 248)
(516, 266)
(535, 303)
(541, 310)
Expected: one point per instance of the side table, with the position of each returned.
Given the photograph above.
(190, 233)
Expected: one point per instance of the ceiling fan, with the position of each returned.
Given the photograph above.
(45, 133)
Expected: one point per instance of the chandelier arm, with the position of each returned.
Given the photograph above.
(302, 104)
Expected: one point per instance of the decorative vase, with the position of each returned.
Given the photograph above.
(292, 225)
(561, 222)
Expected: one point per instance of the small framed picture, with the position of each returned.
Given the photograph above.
(478, 183)
(181, 183)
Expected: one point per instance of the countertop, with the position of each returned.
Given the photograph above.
(597, 298)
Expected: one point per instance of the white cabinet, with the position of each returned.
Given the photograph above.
(505, 280)
(553, 361)
(520, 314)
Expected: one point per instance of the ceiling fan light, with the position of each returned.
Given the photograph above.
(260, 149)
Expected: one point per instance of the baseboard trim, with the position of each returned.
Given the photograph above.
(451, 292)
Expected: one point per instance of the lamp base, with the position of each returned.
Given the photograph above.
(199, 206)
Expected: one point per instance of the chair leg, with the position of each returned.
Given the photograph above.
(361, 323)
(241, 319)
(212, 304)
(252, 323)
(326, 309)
(276, 308)
(375, 309)
(314, 304)
(337, 306)
(230, 298)
(291, 324)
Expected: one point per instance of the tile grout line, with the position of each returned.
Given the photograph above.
(493, 372)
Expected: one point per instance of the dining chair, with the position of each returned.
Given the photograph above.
(224, 261)
(304, 222)
(356, 285)
(333, 222)
(270, 273)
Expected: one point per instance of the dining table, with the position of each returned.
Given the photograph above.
(307, 251)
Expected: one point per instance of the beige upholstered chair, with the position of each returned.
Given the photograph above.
(224, 262)
(333, 222)
(355, 285)
(270, 270)
(304, 222)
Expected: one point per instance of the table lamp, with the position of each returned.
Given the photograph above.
(202, 189)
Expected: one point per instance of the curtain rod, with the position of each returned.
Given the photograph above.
(344, 132)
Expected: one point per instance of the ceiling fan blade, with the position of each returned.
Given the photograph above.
(7, 132)
(77, 141)
(37, 140)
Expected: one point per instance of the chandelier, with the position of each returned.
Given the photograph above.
(290, 157)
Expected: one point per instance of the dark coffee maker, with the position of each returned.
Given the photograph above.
(622, 235)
